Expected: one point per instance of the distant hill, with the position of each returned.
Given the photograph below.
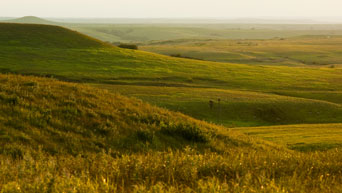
(31, 20)
(37, 35)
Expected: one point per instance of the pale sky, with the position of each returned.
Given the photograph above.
(173, 8)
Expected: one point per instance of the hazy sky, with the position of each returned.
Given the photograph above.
(172, 8)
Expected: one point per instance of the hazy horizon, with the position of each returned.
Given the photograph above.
(175, 9)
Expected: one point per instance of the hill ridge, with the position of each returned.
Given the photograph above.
(31, 20)
(39, 35)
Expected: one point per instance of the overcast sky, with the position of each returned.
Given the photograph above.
(173, 8)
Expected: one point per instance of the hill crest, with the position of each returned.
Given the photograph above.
(30, 20)
(38, 35)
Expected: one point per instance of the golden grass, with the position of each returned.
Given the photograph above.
(63, 137)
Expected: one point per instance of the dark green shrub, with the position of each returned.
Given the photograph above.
(144, 136)
(128, 46)
(187, 132)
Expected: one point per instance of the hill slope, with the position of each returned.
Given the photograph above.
(72, 119)
(38, 36)
(115, 65)
(63, 137)
(66, 137)
(31, 20)
(83, 59)
(236, 107)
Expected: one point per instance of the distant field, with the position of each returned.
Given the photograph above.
(300, 137)
(298, 51)
(142, 33)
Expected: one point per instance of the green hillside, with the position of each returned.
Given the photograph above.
(236, 107)
(66, 137)
(72, 119)
(50, 53)
(42, 36)
(115, 65)
(72, 137)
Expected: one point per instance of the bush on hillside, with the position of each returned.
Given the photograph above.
(128, 46)
(181, 56)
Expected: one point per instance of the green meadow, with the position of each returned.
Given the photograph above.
(236, 108)
(300, 137)
(81, 115)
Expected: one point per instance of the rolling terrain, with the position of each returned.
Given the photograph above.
(294, 51)
(236, 108)
(240, 86)
(67, 137)
(81, 135)
(145, 32)
(130, 30)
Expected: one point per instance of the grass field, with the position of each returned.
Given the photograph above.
(300, 137)
(85, 136)
(63, 137)
(236, 108)
(294, 51)
(91, 61)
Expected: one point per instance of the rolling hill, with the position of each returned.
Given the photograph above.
(30, 20)
(72, 119)
(58, 136)
(43, 36)
(115, 65)
(71, 137)
(67, 55)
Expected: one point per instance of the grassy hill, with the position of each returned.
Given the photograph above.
(66, 137)
(91, 60)
(236, 107)
(43, 36)
(31, 20)
(65, 118)
(87, 60)
(72, 137)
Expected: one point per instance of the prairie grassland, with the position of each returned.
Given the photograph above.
(294, 51)
(237, 170)
(300, 137)
(69, 137)
(236, 108)
(66, 137)
(88, 60)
